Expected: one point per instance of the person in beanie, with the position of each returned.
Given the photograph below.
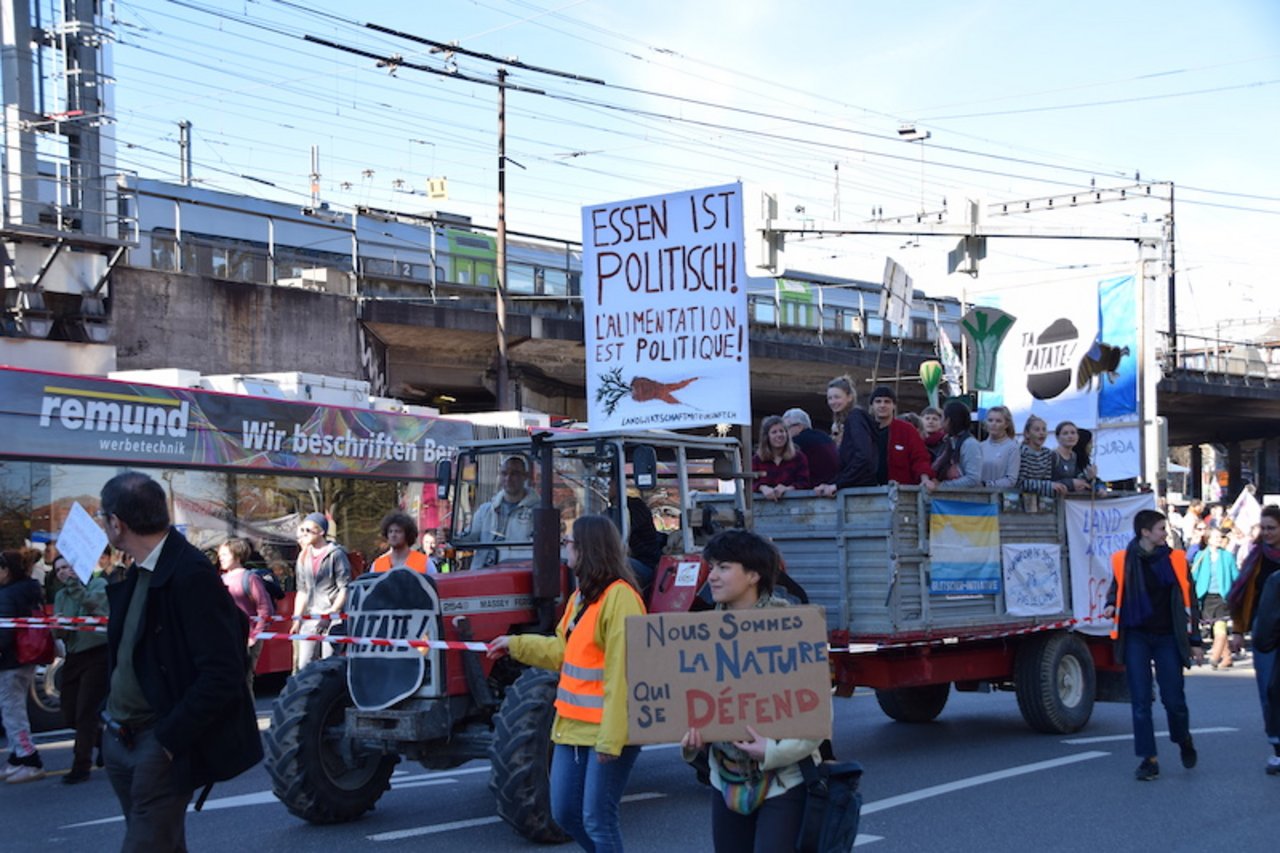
(323, 573)
(1155, 623)
(900, 452)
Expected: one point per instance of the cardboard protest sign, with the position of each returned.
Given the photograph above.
(723, 670)
(81, 541)
(664, 293)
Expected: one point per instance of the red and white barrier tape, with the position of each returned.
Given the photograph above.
(97, 624)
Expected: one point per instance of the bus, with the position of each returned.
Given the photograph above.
(232, 465)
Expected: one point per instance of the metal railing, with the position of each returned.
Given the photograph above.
(1249, 362)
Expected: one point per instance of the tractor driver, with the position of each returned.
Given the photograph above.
(508, 517)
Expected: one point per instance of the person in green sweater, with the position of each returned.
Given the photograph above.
(591, 760)
(84, 670)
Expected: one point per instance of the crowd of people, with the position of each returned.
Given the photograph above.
(936, 449)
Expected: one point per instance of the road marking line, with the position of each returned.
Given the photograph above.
(263, 798)
(973, 781)
(1080, 741)
(437, 828)
(863, 839)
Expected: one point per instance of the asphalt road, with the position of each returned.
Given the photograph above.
(976, 779)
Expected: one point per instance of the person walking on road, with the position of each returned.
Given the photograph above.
(1259, 565)
(20, 594)
(179, 715)
(1151, 601)
(759, 794)
(1266, 638)
(323, 573)
(84, 668)
(249, 592)
(1214, 570)
(591, 760)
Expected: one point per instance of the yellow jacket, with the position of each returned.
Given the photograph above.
(617, 603)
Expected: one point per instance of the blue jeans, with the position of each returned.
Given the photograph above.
(585, 794)
(1263, 664)
(1141, 650)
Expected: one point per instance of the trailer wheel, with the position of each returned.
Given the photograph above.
(317, 774)
(914, 704)
(520, 755)
(1055, 683)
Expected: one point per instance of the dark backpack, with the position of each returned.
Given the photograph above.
(274, 591)
(833, 806)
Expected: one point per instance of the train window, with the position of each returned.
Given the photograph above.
(164, 254)
(520, 278)
(463, 271)
(555, 282)
(830, 318)
(763, 311)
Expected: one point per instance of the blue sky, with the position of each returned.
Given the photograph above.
(1023, 100)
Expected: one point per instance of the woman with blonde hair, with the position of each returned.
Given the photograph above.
(591, 759)
(854, 430)
(1035, 469)
(780, 467)
(1001, 456)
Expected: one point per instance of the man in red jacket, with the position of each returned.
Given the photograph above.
(903, 458)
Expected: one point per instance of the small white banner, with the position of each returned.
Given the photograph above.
(81, 541)
(1032, 579)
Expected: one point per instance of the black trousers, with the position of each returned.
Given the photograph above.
(772, 828)
(84, 686)
(155, 806)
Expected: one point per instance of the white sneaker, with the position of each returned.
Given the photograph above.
(7, 769)
(25, 774)
(1273, 765)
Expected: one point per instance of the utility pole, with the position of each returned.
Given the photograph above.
(184, 153)
(315, 176)
(1173, 290)
(504, 395)
(505, 399)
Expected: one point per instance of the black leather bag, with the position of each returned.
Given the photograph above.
(832, 808)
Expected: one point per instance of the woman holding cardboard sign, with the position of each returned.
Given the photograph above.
(759, 798)
(591, 761)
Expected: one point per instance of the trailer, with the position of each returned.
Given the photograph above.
(865, 557)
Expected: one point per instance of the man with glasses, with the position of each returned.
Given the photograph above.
(322, 573)
(178, 715)
(508, 517)
(819, 450)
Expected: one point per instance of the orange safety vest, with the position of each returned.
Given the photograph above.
(416, 561)
(580, 695)
(1179, 560)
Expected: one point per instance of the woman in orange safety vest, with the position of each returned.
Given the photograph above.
(591, 761)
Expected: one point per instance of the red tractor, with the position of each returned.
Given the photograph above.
(342, 724)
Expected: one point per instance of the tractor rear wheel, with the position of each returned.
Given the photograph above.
(521, 756)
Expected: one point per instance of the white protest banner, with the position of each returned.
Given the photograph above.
(81, 541)
(723, 670)
(1116, 452)
(1036, 367)
(1096, 529)
(1032, 578)
(896, 294)
(664, 293)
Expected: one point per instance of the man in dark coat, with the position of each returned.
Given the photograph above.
(179, 712)
(819, 450)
